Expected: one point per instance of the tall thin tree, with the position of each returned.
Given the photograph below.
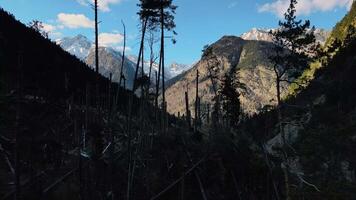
(123, 55)
(294, 47)
(96, 37)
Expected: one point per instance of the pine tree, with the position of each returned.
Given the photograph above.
(230, 99)
(294, 48)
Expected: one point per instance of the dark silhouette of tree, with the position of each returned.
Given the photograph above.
(123, 55)
(154, 14)
(230, 101)
(167, 11)
(148, 14)
(294, 48)
(96, 37)
(213, 74)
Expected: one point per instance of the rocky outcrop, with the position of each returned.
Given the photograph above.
(250, 61)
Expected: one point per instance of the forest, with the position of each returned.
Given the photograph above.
(68, 131)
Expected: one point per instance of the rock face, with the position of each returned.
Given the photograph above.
(258, 34)
(110, 62)
(78, 46)
(248, 58)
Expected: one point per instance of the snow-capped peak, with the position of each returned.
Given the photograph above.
(78, 45)
(176, 69)
(264, 35)
(258, 34)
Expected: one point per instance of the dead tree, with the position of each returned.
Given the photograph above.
(96, 37)
(187, 110)
(123, 56)
(140, 53)
(196, 103)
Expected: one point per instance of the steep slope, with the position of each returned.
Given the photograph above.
(110, 62)
(176, 69)
(320, 128)
(109, 59)
(248, 55)
(249, 58)
(339, 32)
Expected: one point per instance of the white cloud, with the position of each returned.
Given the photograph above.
(104, 5)
(75, 20)
(110, 39)
(121, 48)
(48, 27)
(304, 7)
(51, 30)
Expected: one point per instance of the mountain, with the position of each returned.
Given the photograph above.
(319, 125)
(249, 58)
(110, 62)
(78, 46)
(110, 59)
(146, 69)
(340, 30)
(172, 71)
(176, 69)
(257, 34)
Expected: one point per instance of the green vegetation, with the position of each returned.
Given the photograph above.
(301, 82)
(339, 33)
(76, 139)
(341, 29)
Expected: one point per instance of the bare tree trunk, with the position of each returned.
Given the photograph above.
(162, 56)
(196, 103)
(152, 56)
(199, 112)
(96, 37)
(283, 136)
(164, 109)
(123, 56)
(187, 110)
(140, 53)
(158, 80)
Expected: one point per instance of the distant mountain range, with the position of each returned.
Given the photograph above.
(110, 59)
(257, 34)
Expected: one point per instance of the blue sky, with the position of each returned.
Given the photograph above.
(199, 22)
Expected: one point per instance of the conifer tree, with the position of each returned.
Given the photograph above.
(231, 105)
(294, 48)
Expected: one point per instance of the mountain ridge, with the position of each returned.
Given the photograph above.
(81, 47)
